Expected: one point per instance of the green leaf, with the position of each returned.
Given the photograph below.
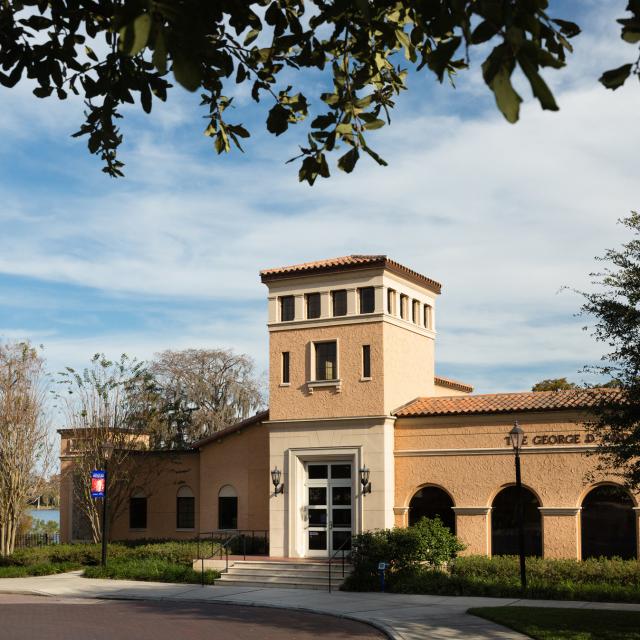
(615, 78)
(348, 161)
(631, 35)
(186, 71)
(278, 119)
(374, 124)
(570, 29)
(134, 37)
(507, 99)
(159, 58)
(483, 32)
(42, 92)
(251, 36)
(538, 85)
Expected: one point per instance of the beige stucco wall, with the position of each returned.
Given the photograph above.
(366, 441)
(241, 460)
(356, 397)
(408, 365)
(469, 458)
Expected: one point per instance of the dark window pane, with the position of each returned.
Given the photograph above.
(317, 517)
(318, 471)
(138, 513)
(366, 361)
(504, 523)
(227, 513)
(432, 502)
(341, 517)
(285, 367)
(608, 523)
(341, 471)
(317, 540)
(186, 512)
(341, 495)
(317, 495)
(342, 540)
(326, 361)
(367, 300)
(287, 308)
(339, 302)
(313, 305)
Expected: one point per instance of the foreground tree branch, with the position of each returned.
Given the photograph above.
(113, 52)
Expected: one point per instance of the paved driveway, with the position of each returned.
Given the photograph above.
(24, 617)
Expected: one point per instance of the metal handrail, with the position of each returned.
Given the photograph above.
(226, 543)
(335, 553)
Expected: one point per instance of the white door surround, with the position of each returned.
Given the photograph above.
(302, 523)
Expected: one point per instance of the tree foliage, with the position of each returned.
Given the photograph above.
(116, 52)
(25, 451)
(615, 309)
(200, 391)
(553, 384)
(107, 402)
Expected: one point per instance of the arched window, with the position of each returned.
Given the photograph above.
(185, 509)
(504, 523)
(138, 511)
(227, 508)
(608, 523)
(432, 502)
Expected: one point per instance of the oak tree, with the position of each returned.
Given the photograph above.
(116, 52)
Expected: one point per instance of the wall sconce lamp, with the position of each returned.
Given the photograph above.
(276, 474)
(364, 480)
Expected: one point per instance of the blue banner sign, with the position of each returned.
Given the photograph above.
(98, 480)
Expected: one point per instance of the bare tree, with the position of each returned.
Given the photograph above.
(25, 447)
(202, 391)
(108, 402)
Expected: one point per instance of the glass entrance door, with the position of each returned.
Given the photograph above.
(329, 507)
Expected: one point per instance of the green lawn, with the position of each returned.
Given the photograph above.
(544, 623)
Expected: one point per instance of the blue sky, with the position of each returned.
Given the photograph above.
(504, 216)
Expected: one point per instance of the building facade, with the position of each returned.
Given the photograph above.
(362, 434)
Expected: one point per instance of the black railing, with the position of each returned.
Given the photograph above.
(343, 550)
(26, 540)
(224, 542)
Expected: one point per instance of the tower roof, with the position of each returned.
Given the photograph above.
(348, 263)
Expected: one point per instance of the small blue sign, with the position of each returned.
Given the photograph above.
(98, 481)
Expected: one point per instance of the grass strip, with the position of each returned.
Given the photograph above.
(547, 623)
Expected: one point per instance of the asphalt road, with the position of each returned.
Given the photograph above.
(46, 618)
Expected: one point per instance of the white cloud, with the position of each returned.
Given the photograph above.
(503, 215)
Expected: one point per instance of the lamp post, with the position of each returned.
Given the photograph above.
(107, 450)
(517, 438)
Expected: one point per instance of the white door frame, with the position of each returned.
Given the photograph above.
(296, 524)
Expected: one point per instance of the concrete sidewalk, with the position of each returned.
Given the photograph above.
(401, 617)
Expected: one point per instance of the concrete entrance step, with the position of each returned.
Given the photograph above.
(302, 575)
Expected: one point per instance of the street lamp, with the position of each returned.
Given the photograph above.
(516, 436)
(107, 450)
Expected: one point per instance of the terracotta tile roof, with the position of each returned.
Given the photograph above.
(441, 381)
(505, 402)
(345, 263)
(238, 426)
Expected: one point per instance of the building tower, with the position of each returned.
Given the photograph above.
(350, 340)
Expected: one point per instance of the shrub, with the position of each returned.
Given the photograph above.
(428, 542)
(150, 569)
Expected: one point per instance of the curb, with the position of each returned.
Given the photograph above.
(388, 631)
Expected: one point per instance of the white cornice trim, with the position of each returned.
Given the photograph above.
(334, 321)
(471, 511)
(400, 511)
(489, 451)
(335, 419)
(559, 511)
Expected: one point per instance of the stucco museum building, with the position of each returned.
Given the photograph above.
(361, 433)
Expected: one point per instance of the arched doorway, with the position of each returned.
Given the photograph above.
(227, 508)
(432, 502)
(608, 523)
(504, 523)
